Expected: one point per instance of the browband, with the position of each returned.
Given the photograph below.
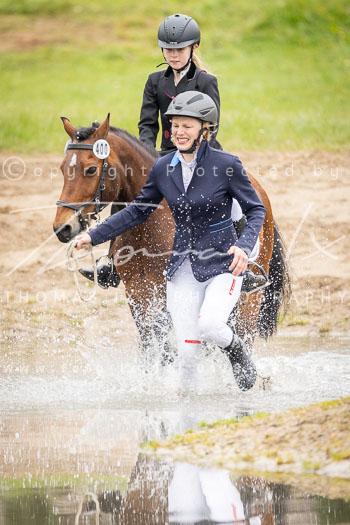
(80, 146)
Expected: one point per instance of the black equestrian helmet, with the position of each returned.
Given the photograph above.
(178, 31)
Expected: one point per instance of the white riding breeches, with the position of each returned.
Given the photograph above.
(199, 311)
(236, 214)
(236, 210)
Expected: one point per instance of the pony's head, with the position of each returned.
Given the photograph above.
(84, 174)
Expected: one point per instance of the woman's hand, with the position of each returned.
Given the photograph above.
(240, 260)
(82, 241)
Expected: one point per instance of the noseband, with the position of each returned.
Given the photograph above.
(97, 199)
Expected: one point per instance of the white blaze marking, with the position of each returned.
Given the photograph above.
(73, 162)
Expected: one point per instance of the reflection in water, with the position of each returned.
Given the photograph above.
(201, 494)
(64, 461)
(84, 467)
(159, 493)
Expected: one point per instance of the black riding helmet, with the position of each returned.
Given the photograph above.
(178, 31)
(196, 105)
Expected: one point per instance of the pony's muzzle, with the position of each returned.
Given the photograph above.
(67, 231)
(64, 233)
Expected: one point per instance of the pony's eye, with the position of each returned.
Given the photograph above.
(91, 170)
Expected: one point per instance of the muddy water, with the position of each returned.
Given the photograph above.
(73, 417)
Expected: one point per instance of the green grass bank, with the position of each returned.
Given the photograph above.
(308, 447)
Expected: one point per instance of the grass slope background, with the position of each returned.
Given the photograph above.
(283, 68)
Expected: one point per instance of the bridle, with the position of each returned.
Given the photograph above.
(97, 199)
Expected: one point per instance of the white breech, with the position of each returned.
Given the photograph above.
(236, 214)
(199, 311)
(236, 210)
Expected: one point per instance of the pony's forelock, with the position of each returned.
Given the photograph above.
(84, 133)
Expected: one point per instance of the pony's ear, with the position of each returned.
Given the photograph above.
(103, 130)
(70, 129)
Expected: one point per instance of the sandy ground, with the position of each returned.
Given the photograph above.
(309, 192)
(24, 32)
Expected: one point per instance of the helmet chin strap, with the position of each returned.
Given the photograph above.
(196, 141)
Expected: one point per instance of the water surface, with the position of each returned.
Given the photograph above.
(73, 418)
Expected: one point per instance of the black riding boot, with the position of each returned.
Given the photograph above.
(244, 370)
(106, 275)
(240, 225)
(250, 280)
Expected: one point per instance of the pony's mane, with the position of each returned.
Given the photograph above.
(84, 133)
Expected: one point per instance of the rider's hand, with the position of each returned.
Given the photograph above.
(82, 241)
(240, 260)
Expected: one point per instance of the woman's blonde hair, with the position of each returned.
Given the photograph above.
(207, 133)
(198, 60)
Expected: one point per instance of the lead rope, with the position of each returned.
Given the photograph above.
(72, 266)
(94, 498)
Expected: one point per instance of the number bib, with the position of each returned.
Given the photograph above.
(101, 149)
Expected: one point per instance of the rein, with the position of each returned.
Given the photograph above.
(97, 199)
(72, 266)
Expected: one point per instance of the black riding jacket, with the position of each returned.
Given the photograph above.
(159, 92)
